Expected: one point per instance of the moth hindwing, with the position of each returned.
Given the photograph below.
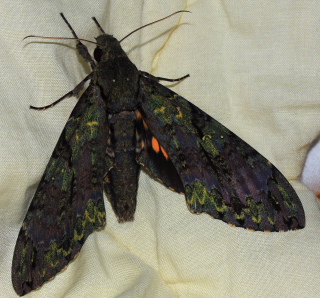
(125, 120)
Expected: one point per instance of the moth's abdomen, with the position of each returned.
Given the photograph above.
(123, 177)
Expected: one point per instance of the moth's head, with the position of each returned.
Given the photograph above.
(107, 46)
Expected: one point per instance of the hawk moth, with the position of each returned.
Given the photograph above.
(124, 121)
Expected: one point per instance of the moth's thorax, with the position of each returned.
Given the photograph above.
(116, 75)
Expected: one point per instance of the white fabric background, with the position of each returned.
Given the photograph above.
(311, 171)
(254, 66)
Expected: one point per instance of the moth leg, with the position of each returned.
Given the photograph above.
(75, 92)
(98, 25)
(82, 49)
(148, 75)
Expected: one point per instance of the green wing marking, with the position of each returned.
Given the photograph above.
(221, 174)
(68, 204)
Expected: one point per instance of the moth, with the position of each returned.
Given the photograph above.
(124, 121)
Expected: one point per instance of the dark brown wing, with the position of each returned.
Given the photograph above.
(221, 174)
(68, 204)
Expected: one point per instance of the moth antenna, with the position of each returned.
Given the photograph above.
(81, 48)
(98, 25)
(179, 11)
(52, 37)
(70, 38)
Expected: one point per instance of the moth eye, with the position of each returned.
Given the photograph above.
(97, 54)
